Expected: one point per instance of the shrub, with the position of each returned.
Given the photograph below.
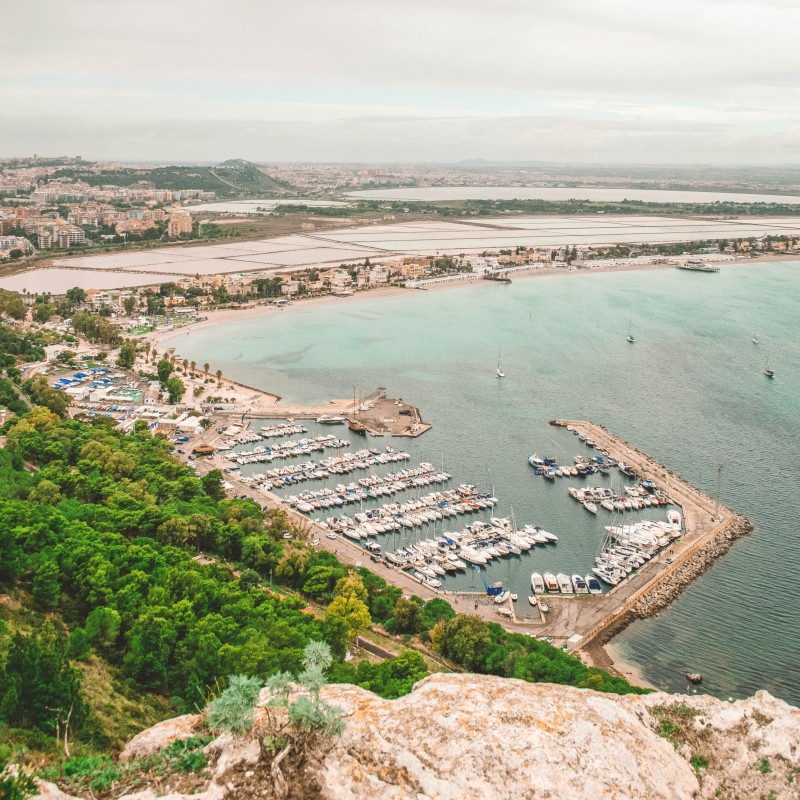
(232, 711)
(14, 787)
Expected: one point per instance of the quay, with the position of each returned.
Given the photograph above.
(583, 624)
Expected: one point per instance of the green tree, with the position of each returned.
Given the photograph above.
(407, 616)
(127, 354)
(212, 484)
(176, 389)
(46, 586)
(466, 639)
(76, 295)
(79, 647)
(129, 303)
(164, 369)
(103, 626)
(350, 604)
(42, 394)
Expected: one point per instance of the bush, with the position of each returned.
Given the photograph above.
(232, 711)
(14, 787)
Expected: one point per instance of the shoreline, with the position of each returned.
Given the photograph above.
(224, 315)
(603, 652)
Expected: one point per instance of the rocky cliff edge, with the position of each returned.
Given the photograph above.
(465, 737)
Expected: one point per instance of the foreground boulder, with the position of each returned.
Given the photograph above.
(459, 737)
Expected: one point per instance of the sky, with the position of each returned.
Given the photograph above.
(617, 81)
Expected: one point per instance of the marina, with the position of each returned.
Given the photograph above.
(697, 346)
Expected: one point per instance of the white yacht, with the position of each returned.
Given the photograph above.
(537, 583)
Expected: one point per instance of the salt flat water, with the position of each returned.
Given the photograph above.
(690, 392)
(595, 193)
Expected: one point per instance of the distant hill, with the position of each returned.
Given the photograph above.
(232, 178)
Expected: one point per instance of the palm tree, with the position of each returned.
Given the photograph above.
(185, 364)
(205, 369)
(194, 366)
(219, 377)
(147, 346)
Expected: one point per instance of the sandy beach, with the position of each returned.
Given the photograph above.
(221, 316)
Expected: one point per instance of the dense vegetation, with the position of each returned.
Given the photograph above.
(229, 179)
(97, 535)
(489, 208)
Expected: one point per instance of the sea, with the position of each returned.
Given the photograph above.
(691, 392)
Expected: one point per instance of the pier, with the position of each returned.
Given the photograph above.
(584, 623)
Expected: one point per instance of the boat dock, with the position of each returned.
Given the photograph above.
(584, 623)
(386, 416)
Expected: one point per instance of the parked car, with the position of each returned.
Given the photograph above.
(330, 535)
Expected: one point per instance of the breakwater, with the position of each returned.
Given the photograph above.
(710, 529)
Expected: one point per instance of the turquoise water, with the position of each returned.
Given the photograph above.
(690, 392)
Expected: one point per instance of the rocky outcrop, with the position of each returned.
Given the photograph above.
(469, 737)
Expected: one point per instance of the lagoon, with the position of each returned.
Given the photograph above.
(432, 194)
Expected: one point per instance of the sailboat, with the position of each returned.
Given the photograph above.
(630, 335)
(770, 373)
(499, 373)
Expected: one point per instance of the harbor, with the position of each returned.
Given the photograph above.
(420, 536)
(691, 392)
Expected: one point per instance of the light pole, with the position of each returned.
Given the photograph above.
(718, 466)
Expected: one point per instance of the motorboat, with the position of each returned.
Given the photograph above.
(590, 506)
(564, 583)
(532, 600)
(330, 419)
(580, 585)
(550, 582)
(593, 584)
(537, 583)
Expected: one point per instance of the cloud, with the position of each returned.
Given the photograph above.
(491, 79)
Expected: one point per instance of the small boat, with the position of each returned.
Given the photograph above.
(499, 373)
(564, 583)
(768, 371)
(537, 583)
(505, 612)
(543, 606)
(580, 585)
(330, 419)
(755, 340)
(593, 584)
(514, 597)
(550, 582)
(631, 339)
(590, 506)
(532, 600)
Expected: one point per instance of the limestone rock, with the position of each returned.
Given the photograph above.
(470, 737)
(154, 739)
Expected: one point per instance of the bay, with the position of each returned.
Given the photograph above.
(690, 392)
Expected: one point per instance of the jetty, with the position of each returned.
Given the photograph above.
(699, 267)
(583, 624)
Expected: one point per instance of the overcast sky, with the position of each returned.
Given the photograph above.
(666, 81)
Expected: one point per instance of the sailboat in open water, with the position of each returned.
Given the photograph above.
(631, 339)
(499, 373)
(768, 371)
